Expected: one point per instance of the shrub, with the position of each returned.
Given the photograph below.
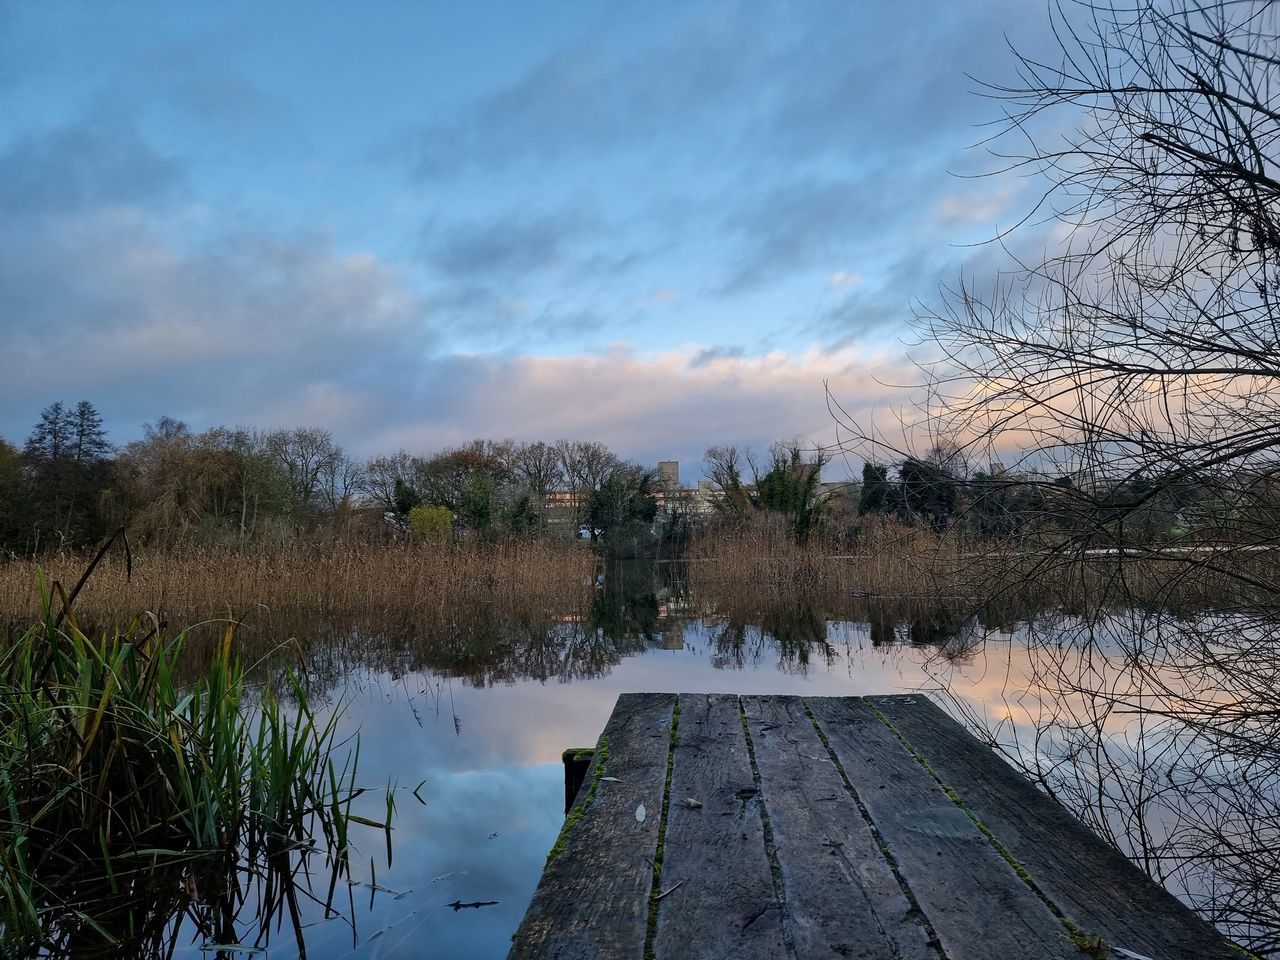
(431, 523)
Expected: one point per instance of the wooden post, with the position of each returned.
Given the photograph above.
(576, 765)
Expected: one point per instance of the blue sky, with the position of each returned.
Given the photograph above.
(664, 226)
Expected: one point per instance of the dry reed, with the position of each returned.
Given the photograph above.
(191, 584)
(885, 561)
(913, 565)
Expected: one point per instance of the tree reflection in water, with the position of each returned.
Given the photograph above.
(1162, 732)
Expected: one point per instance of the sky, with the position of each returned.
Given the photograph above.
(663, 226)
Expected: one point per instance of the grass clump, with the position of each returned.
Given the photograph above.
(128, 800)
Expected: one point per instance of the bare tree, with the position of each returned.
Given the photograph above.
(1137, 364)
(306, 456)
(340, 479)
(382, 477)
(1142, 354)
(724, 470)
(597, 462)
(538, 467)
(585, 464)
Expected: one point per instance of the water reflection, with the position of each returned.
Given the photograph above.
(1159, 730)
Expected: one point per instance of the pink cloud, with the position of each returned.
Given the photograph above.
(650, 406)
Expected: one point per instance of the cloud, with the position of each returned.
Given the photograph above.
(251, 327)
(510, 245)
(712, 354)
(842, 279)
(514, 278)
(494, 316)
(271, 327)
(99, 299)
(758, 145)
(837, 82)
(645, 407)
(800, 223)
(598, 96)
(977, 206)
(656, 297)
(83, 164)
(695, 177)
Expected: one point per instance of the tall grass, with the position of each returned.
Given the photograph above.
(192, 583)
(886, 560)
(128, 798)
(912, 564)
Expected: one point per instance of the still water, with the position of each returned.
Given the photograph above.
(478, 716)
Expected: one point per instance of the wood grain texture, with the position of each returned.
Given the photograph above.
(722, 901)
(840, 840)
(1092, 883)
(840, 896)
(979, 907)
(592, 902)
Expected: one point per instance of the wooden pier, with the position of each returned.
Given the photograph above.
(719, 826)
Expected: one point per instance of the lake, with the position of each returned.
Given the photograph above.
(1146, 724)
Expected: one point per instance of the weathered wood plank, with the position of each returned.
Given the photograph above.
(1093, 884)
(577, 765)
(814, 866)
(722, 902)
(840, 897)
(976, 903)
(592, 903)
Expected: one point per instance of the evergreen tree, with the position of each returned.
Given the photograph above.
(66, 473)
(89, 438)
(929, 492)
(792, 486)
(623, 505)
(405, 497)
(878, 494)
(52, 437)
(476, 509)
(11, 489)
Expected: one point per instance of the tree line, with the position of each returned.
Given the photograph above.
(67, 486)
(939, 490)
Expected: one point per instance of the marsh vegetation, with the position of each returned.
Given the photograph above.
(137, 792)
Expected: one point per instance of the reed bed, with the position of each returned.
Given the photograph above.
(915, 566)
(128, 798)
(885, 561)
(192, 584)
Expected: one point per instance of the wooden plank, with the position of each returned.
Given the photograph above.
(722, 901)
(1093, 884)
(978, 906)
(592, 902)
(578, 763)
(840, 897)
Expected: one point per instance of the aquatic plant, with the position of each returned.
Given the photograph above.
(904, 563)
(196, 582)
(129, 799)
